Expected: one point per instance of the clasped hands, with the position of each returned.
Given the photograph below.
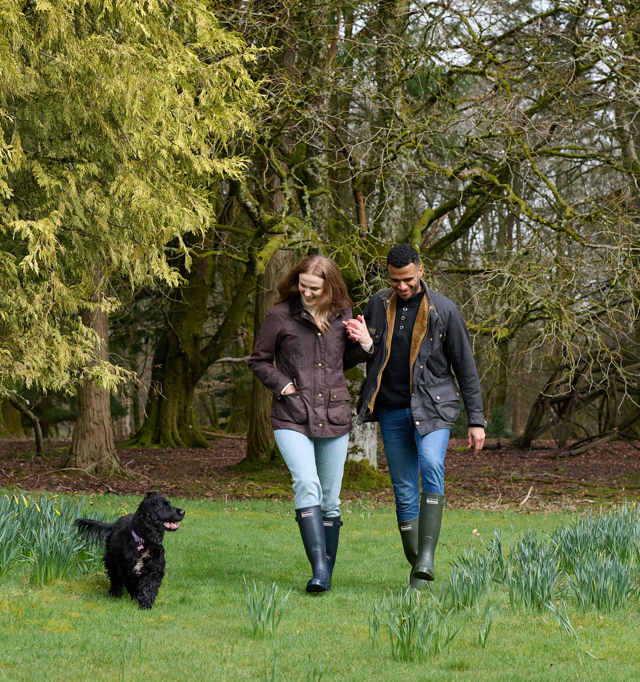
(357, 330)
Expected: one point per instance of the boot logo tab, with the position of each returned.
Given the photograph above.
(432, 500)
(405, 527)
(304, 514)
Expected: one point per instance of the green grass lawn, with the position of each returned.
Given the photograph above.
(199, 627)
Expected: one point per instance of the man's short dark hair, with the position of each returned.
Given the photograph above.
(401, 255)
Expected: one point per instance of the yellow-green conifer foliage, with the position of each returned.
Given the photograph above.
(117, 121)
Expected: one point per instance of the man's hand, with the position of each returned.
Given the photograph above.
(357, 330)
(476, 438)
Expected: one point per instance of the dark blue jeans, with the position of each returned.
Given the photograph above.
(412, 459)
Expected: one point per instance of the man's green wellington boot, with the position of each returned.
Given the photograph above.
(409, 534)
(429, 522)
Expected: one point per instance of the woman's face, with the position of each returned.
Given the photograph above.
(311, 288)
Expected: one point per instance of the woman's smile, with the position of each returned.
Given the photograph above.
(311, 288)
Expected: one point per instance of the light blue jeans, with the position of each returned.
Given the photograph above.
(412, 459)
(316, 466)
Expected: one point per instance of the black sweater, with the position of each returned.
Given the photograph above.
(395, 392)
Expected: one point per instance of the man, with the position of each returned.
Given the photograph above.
(417, 342)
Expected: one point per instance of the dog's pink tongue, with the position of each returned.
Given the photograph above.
(173, 526)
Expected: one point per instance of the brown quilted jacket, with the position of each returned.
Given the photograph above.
(290, 348)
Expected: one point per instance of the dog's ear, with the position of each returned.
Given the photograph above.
(151, 493)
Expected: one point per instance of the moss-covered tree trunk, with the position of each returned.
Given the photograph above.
(93, 446)
(498, 416)
(10, 420)
(182, 356)
(260, 442)
(170, 417)
(178, 366)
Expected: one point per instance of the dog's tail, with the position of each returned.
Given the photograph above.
(94, 530)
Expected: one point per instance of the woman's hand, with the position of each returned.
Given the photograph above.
(288, 389)
(357, 330)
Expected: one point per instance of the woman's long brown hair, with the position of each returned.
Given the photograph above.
(334, 297)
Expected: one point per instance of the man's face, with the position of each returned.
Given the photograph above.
(406, 280)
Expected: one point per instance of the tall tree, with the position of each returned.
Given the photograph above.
(114, 122)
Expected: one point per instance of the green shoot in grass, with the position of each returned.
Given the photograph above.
(561, 614)
(469, 578)
(417, 624)
(533, 576)
(604, 583)
(264, 607)
(484, 625)
(39, 533)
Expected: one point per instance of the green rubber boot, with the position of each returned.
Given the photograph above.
(429, 522)
(409, 534)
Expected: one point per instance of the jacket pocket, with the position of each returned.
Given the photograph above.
(339, 410)
(290, 408)
(446, 401)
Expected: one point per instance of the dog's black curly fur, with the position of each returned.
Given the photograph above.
(134, 554)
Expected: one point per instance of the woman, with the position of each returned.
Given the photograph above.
(300, 355)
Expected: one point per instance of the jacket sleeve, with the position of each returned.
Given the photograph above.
(261, 361)
(353, 352)
(460, 354)
(369, 315)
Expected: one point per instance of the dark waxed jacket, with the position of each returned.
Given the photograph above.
(290, 348)
(440, 348)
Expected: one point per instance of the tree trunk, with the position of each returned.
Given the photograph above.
(35, 423)
(533, 427)
(10, 420)
(363, 439)
(178, 365)
(536, 423)
(260, 443)
(499, 413)
(93, 446)
(170, 417)
(363, 444)
(182, 358)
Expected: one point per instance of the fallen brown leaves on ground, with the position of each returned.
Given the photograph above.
(501, 476)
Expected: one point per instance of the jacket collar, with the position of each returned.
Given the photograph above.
(297, 309)
(387, 294)
(295, 305)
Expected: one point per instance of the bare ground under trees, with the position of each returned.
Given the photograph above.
(500, 477)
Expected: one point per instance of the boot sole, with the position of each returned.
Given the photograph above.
(423, 575)
(418, 583)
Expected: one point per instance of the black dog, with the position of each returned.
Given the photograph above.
(134, 555)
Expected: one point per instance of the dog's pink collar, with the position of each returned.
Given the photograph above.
(138, 539)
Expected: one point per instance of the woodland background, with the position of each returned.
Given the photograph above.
(163, 163)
